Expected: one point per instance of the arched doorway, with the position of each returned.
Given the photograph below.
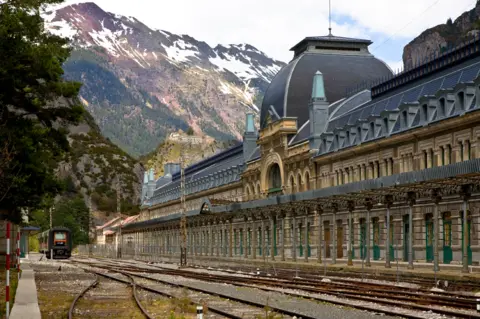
(274, 179)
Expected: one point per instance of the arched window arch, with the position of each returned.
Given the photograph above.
(274, 177)
(307, 181)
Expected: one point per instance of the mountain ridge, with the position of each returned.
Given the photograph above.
(140, 84)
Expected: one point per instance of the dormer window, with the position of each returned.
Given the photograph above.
(460, 101)
(372, 130)
(425, 112)
(359, 134)
(404, 119)
(385, 125)
(441, 105)
(348, 137)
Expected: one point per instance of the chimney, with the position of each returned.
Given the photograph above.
(318, 111)
(249, 137)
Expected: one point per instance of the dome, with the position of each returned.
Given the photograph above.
(344, 63)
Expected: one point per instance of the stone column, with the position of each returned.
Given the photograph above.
(436, 198)
(334, 234)
(230, 247)
(272, 236)
(306, 236)
(245, 237)
(351, 207)
(294, 237)
(368, 206)
(411, 198)
(465, 193)
(282, 221)
(319, 234)
(388, 204)
(254, 238)
(263, 238)
(210, 241)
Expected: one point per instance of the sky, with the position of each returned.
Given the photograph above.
(274, 26)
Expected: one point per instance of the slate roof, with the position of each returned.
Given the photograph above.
(290, 90)
(410, 93)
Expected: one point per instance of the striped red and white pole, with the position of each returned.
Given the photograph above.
(7, 268)
(18, 252)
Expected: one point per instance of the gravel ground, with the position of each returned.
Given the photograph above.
(274, 299)
(184, 296)
(56, 288)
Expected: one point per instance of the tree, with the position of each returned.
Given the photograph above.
(190, 131)
(36, 106)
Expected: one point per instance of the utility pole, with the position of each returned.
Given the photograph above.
(119, 235)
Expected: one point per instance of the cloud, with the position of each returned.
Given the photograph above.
(274, 26)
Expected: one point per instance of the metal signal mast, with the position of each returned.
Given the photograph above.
(183, 194)
(183, 219)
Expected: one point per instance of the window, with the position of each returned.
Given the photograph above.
(60, 236)
(404, 119)
(442, 155)
(359, 134)
(449, 153)
(348, 138)
(441, 107)
(385, 125)
(432, 158)
(469, 150)
(372, 130)
(461, 101)
(425, 112)
(425, 161)
(461, 151)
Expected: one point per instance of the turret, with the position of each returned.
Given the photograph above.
(318, 111)
(249, 137)
(151, 183)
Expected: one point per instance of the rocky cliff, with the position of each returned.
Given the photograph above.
(440, 37)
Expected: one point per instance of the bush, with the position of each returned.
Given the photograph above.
(33, 244)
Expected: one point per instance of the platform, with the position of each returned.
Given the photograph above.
(26, 301)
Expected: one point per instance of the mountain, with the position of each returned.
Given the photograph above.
(95, 165)
(442, 36)
(140, 84)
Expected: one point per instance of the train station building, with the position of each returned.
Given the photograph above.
(350, 162)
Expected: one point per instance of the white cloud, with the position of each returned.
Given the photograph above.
(276, 25)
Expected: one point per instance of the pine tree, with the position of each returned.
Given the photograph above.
(36, 106)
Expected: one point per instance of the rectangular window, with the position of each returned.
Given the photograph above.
(425, 161)
(461, 151)
(432, 158)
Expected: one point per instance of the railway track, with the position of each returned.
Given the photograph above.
(458, 305)
(95, 282)
(226, 308)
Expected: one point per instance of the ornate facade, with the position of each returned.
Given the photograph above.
(350, 162)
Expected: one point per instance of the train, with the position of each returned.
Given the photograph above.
(57, 240)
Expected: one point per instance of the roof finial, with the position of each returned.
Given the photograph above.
(329, 17)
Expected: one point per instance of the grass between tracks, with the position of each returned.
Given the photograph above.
(13, 290)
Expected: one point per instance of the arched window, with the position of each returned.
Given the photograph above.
(274, 177)
(292, 184)
(307, 182)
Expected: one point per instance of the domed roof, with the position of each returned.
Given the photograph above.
(344, 63)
